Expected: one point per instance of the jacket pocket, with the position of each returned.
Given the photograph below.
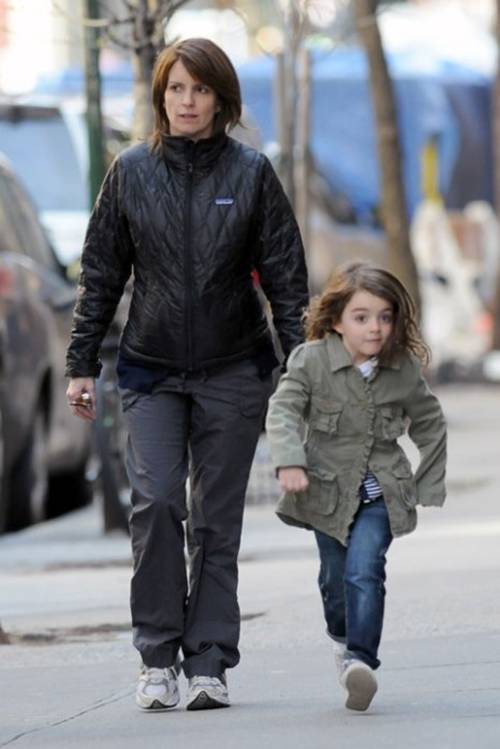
(324, 416)
(392, 422)
(321, 496)
(407, 485)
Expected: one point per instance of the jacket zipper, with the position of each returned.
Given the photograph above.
(188, 264)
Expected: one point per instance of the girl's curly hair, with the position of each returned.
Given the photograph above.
(326, 309)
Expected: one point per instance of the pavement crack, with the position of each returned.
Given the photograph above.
(116, 697)
(456, 664)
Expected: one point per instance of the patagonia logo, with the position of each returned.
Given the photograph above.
(224, 201)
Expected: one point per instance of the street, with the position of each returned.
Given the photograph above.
(69, 672)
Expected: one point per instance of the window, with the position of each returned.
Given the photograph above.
(31, 239)
(53, 177)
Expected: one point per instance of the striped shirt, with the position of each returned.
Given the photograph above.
(370, 489)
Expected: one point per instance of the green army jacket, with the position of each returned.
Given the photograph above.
(351, 425)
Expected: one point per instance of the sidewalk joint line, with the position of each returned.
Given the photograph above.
(61, 721)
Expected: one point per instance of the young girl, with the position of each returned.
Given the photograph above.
(356, 384)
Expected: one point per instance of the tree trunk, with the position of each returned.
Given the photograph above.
(394, 209)
(496, 176)
(143, 63)
(289, 100)
(151, 18)
(4, 637)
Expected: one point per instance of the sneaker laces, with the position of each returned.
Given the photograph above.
(157, 675)
(207, 681)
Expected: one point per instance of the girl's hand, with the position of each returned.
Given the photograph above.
(81, 397)
(293, 479)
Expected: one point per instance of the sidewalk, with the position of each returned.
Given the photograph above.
(69, 676)
(67, 573)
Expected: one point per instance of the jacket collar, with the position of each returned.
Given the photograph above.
(202, 154)
(339, 356)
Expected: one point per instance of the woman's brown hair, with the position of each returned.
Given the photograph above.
(207, 63)
(326, 309)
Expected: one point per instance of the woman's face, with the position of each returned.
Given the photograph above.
(191, 106)
(366, 324)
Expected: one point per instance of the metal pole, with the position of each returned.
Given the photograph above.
(93, 96)
(113, 512)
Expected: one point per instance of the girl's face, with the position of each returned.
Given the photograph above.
(191, 106)
(366, 324)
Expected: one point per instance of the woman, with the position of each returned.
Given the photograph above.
(193, 214)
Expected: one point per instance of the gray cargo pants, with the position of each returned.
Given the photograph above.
(207, 426)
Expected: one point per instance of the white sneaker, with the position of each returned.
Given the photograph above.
(339, 656)
(206, 692)
(359, 680)
(157, 689)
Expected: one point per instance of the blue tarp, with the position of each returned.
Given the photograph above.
(116, 80)
(435, 99)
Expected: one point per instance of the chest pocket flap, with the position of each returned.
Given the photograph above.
(392, 422)
(324, 415)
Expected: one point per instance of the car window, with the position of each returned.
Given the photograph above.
(31, 239)
(54, 177)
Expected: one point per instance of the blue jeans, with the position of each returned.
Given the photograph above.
(351, 581)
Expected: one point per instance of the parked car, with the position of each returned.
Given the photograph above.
(46, 145)
(47, 148)
(43, 448)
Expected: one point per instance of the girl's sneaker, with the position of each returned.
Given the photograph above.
(339, 654)
(157, 689)
(206, 692)
(359, 680)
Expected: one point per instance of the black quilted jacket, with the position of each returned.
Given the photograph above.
(191, 223)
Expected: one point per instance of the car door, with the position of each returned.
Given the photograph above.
(68, 437)
(24, 343)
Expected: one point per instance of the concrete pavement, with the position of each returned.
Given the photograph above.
(69, 675)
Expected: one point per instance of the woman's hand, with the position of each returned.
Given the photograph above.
(293, 479)
(81, 397)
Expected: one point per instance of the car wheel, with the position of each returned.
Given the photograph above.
(28, 485)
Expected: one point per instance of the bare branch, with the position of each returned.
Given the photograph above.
(57, 8)
(132, 7)
(139, 46)
(105, 9)
(169, 7)
(242, 14)
(114, 21)
(116, 40)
